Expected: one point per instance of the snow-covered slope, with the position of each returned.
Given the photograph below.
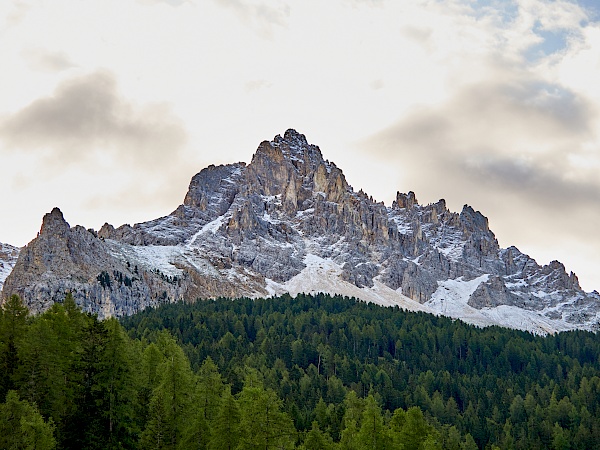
(8, 259)
(290, 222)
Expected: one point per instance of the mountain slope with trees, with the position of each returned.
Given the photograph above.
(314, 372)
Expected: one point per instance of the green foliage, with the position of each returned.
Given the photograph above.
(415, 429)
(172, 400)
(503, 387)
(317, 439)
(373, 434)
(263, 424)
(226, 431)
(12, 329)
(315, 372)
(22, 426)
(104, 280)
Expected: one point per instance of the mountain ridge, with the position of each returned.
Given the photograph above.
(289, 222)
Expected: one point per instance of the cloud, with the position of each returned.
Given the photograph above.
(516, 151)
(174, 3)
(14, 14)
(377, 84)
(260, 15)
(371, 3)
(124, 158)
(86, 118)
(257, 85)
(417, 33)
(519, 137)
(47, 61)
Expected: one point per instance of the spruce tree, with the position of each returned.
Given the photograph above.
(373, 435)
(22, 426)
(173, 398)
(317, 439)
(225, 430)
(263, 424)
(13, 322)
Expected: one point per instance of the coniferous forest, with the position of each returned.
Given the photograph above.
(311, 372)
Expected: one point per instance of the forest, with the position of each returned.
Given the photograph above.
(310, 372)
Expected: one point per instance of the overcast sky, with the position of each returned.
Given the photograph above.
(108, 107)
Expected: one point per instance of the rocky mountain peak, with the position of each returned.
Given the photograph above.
(290, 167)
(289, 222)
(292, 149)
(54, 223)
(295, 146)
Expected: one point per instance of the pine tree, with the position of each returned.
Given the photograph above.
(39, 371)
(263, 425)
(116, 389)
(225, 430)
(172, 400)
(348, 440)
(317, 439)
(373, 435)
(84, 426)
(13, 323)
(196, 435)
(156, 435)
(63, 344)
(468, 443)
(560, 438)
(209, 389)
(22, 426)
(415, 429)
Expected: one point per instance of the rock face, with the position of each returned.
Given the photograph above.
(290, 222)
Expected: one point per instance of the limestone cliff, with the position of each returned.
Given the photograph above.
(289, 222)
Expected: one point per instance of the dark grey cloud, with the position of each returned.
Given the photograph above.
(507, 149)
(47, 61)
(87, 116)
(471, 138)
(547, 186)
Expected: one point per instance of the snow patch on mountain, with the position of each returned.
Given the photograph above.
(451, 299)
(452, 296)
(8, 258)
(323, 275)
(149, 257)
(210, 227)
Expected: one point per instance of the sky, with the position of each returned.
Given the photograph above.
(109, 107)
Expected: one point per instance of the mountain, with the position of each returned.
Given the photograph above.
(290, 222)
(8, 259)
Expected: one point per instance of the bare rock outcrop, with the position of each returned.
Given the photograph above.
(247, 230)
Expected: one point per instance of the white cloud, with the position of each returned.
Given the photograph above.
(260, 15)
(47, 61)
